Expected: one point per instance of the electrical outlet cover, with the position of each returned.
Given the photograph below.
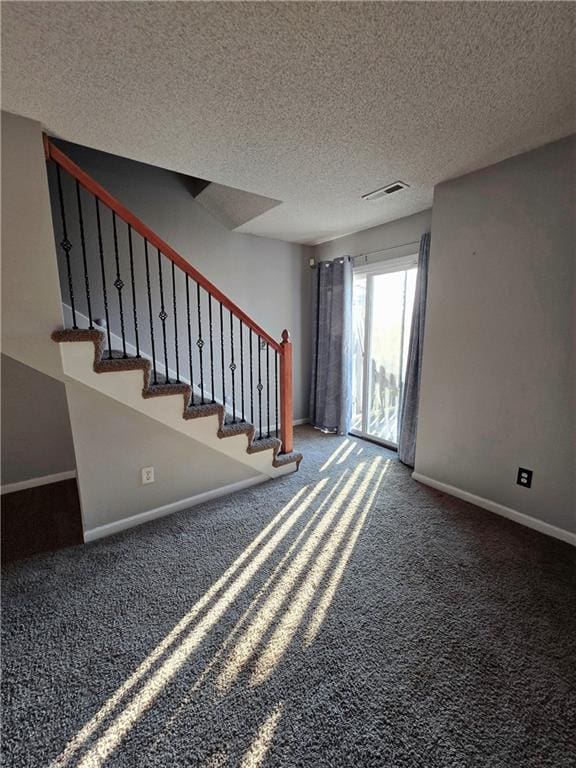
(147, 475)
(524, 477)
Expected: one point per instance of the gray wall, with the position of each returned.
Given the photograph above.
(392, 236)
(113, 443)
(268, 279)
(36, 435)
(31, 302)
(498, 382)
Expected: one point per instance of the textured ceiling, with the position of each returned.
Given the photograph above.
(313, 104)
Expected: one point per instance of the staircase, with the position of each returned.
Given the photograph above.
(146, 328)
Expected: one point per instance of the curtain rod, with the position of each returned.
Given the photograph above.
(314, 263)
(383, 250)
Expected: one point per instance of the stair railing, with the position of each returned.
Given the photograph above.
(151, 302)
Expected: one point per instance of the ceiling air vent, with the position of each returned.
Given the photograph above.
(389, 189)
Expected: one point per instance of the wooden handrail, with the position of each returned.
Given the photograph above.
(286, 424)
(55, 154)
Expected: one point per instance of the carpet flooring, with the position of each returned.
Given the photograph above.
(341, 616)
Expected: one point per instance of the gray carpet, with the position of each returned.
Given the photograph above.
(341, 616)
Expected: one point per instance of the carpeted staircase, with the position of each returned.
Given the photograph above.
(103, 363)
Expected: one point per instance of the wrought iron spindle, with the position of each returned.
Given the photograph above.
(242, 369)
(84, 260)
(211, 346)
(103, 270)
(200, 344)
(163, 315)
(175, 322)
(222, 358)
(66, 247)
(118, 284)
(251, 380)
(152, 344)
(133, 282)
(189, 340)
(276, 388)
(259, 387)
(267, 390)
(232, 367)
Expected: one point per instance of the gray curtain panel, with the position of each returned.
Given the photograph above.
(409, 409)
(331, 390)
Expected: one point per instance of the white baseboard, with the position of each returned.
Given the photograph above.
(34, 482)
(299, 422)
(499, 509)
(177, 506)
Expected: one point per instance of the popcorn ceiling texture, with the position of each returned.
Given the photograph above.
(313, 104)
(376, 623)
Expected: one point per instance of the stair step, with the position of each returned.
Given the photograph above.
(110, 365)
(265, 444)
(170, 388)
(197, 411)
(239, 428)
(118, 354)
(294, 457)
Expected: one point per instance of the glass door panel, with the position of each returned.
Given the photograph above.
(382, 313)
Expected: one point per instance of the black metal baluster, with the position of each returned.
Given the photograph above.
(85, 262)
(267, 390)
(118, 284)
(276, 387)
(242, 369)
(175, 322)
(189, 340)
(152, 344)
(232, 367)
(200, 344)
(211, 346)
(133, 282)
(260, 387)
(103, 270)
(251, 380)
(163, 315)
(66, 247)
(222, 359)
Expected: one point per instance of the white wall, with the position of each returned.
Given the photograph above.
(498, 384)
(392, 236)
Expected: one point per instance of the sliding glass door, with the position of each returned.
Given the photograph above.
(382, 313)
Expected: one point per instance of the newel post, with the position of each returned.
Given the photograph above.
(286, 428)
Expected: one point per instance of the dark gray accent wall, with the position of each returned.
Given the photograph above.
(36, 435)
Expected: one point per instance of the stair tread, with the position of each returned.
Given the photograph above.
(287, 458)
(166, 388)
(118, 354)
